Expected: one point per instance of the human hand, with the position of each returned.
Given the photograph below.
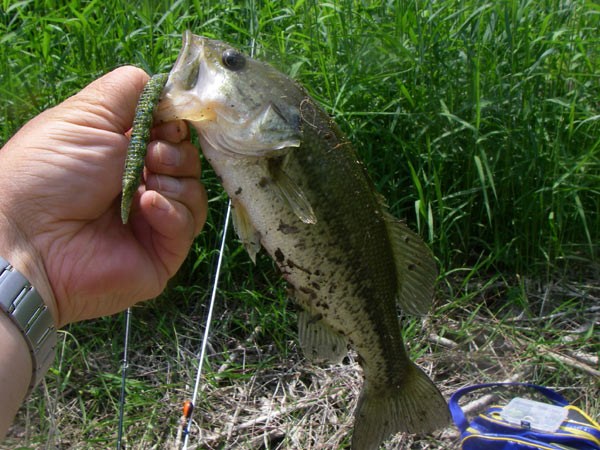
(59, 202)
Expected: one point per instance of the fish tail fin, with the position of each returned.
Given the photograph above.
(414, 406)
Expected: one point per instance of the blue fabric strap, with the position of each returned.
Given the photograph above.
(459, 417)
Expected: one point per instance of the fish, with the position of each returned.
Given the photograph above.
(299, 191)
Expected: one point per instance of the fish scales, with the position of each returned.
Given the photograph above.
(299, 191)
(355, 251)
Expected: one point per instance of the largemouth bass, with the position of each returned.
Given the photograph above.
(299, 191)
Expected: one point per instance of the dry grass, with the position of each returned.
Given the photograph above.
(298, 406)
(256, 396)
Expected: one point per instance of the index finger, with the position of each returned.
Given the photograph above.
(175, 131)
(110, 101)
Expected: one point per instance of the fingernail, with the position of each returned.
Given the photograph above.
(159, 202)
(175, 131)
(167, 155)
(181, 128)
(168, 185)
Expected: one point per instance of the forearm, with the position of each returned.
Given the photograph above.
(15, 371)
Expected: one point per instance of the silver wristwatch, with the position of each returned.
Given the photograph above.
(22, 303)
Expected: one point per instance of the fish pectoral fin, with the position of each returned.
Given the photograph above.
(291, 194)
(320, 343)
(416, 269)
(260, 135)
(412, 405)
(245, 230)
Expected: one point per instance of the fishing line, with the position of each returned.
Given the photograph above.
(190, 413)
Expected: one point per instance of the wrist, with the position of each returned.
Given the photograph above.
(22, 304)
(15, 369)
(17, 249)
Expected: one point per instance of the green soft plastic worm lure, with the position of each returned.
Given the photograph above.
(140, 134)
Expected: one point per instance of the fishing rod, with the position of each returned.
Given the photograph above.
(124, 366)
(188, 409)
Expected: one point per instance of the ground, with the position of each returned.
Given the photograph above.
(258, 393)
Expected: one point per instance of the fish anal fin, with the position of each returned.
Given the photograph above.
(413, 406)
(245, 230)
(290, 192)
(320, 343)
(416, 269)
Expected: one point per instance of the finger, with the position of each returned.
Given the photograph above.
(110, 101)
(187, 191)
(180, 160)
(175, 131)
(173, 228)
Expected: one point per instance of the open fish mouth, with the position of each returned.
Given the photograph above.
(185, 71)
(190, 74)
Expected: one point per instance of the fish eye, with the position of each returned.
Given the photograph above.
(233, 60)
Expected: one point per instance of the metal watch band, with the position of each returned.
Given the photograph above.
(22, 303)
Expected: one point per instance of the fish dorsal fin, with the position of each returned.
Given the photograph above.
(320, 343)
(416, 269)
(290, 192)
(260, 135)
(245, 230)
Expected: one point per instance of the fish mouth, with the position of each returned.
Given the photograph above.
(182, 95)
(184, 73)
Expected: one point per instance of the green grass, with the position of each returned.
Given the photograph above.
(504, 94)
(480, 123)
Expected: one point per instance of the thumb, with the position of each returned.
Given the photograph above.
(108, 102)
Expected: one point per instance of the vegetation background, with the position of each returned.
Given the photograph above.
(480, 123)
